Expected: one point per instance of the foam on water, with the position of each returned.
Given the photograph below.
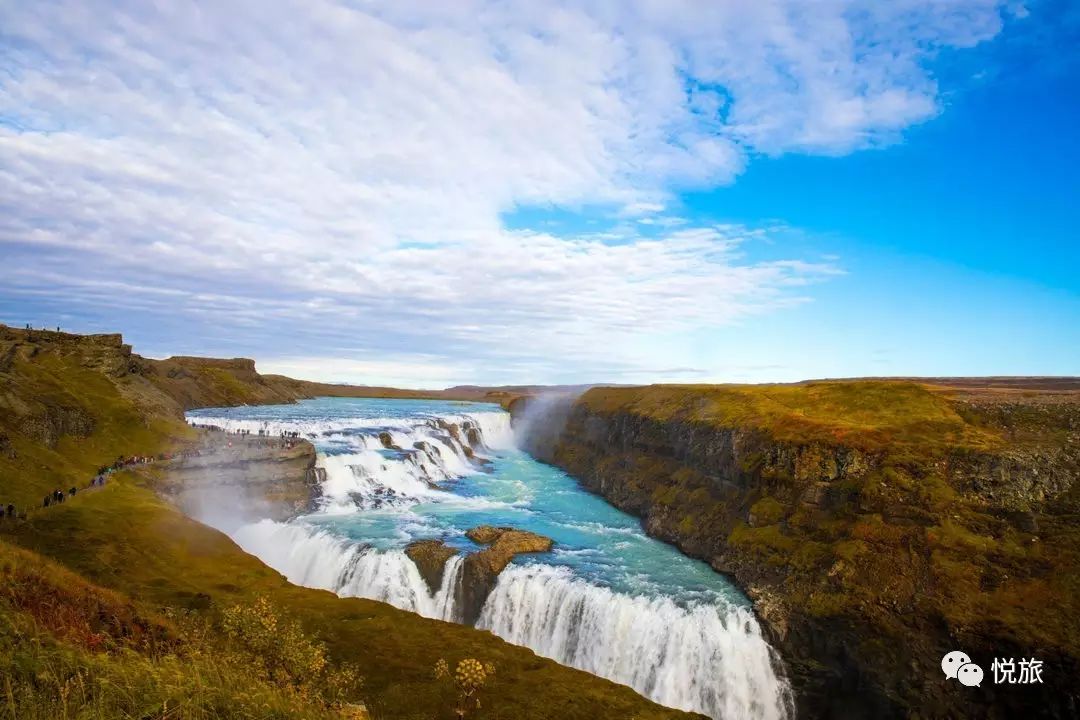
(707, 658)
(374, 461)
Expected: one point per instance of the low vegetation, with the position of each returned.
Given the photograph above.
(71, 649)
(468, 679)
(869, 415)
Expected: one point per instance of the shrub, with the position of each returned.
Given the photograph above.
(288, 657)
(469, 678)
(766, 511)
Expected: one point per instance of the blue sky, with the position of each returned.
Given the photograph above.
(736, 191)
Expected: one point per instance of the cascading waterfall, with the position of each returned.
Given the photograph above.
(390, 479)
(316, 559)
(701, 657)
(378, 461)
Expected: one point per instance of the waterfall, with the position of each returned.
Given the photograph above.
(705, 658)
(694, 655)
(316, 559)
(702, 658)
(384, 461)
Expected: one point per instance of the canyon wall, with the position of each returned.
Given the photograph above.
(875, 525)
(227, 480)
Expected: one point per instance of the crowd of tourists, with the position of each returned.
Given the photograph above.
(284, 440)
(59, 496)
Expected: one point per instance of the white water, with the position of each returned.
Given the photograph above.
(316, 559)
(361, 475)
(698, 658)
(608, 600)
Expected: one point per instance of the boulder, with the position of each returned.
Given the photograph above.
(387, 441)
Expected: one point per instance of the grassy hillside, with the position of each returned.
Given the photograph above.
(209, 382)
(114, 604)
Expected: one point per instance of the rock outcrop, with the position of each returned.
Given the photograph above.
(430, 558)
(480, 569)
(876, 526)
(230, 479)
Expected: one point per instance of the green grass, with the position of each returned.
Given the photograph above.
(53, 384)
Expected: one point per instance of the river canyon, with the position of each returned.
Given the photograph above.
(606, 598)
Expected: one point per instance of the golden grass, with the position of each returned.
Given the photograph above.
(866, 414)
(71, 649)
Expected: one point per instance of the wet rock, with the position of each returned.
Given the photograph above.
(452, 428)
(430, 557)
(432, 451)
(387, 441)
(481, 569)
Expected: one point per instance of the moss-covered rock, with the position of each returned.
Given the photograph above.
(481, 569)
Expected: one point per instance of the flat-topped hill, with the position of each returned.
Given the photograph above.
(864, 413)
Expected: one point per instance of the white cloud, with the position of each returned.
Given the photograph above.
(346, 164)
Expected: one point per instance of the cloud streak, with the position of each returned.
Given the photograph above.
(328, 178)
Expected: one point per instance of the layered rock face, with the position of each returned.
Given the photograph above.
(229, 479)
(480, 570)
(872, 540)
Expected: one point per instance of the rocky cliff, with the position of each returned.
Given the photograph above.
(227, 479)
(876, 525)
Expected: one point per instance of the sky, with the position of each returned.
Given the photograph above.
(428, 194)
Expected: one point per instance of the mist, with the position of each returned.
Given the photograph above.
(540, 423)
